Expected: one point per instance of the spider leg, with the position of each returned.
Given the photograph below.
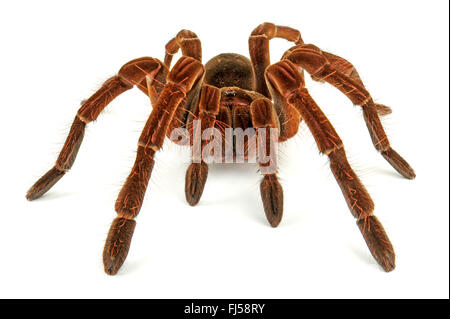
(197, 173)
(285, 78)
(225, 120)
(349, 70)
(342, 75)
(241, 118)
(264, 118)
(188, 42)
(259, 49)
(135, 72)
(186, 73)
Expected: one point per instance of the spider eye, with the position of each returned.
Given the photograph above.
(230, 93)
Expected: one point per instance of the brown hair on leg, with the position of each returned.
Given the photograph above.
(182, 78)
(260, 52)
(188, 42)
(358, 199)
(341, 74)
(197, 173)
(128, 205)
(132, 73)
(264, 117)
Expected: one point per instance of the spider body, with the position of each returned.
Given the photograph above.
(233, 75)
(234, 92)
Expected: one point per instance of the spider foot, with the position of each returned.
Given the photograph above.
(44, 183)
(377, 241)
(195, 182)
(117, 244)
(272, 197)
(399, 163)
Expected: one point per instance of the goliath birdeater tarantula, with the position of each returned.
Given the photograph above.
(232, 91)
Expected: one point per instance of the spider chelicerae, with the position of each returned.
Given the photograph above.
(233, 91)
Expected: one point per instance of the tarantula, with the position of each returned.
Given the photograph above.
(237, 92)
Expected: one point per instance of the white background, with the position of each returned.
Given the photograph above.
(55, 54)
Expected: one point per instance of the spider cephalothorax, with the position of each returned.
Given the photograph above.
(233, 91)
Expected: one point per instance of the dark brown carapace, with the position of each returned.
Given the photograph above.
(233, 91)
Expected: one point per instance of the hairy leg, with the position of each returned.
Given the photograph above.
(197, 173)
(136, 72)
(263, 116)
(188, 42)
(349, 70)
(184, 75)
(260, 52)
(223, 121)
(315, 62)
(241, 118)
(286, 79)
(128, 205)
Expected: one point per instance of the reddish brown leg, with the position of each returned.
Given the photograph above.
(127, 206)
(260, 53)
(224, 118)
(349, 70)
(241, 118)
(343, 78)
(184, 75)
(197, 173)
(264, 117)
(132, 73)
(285, 77)
(188, 42)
